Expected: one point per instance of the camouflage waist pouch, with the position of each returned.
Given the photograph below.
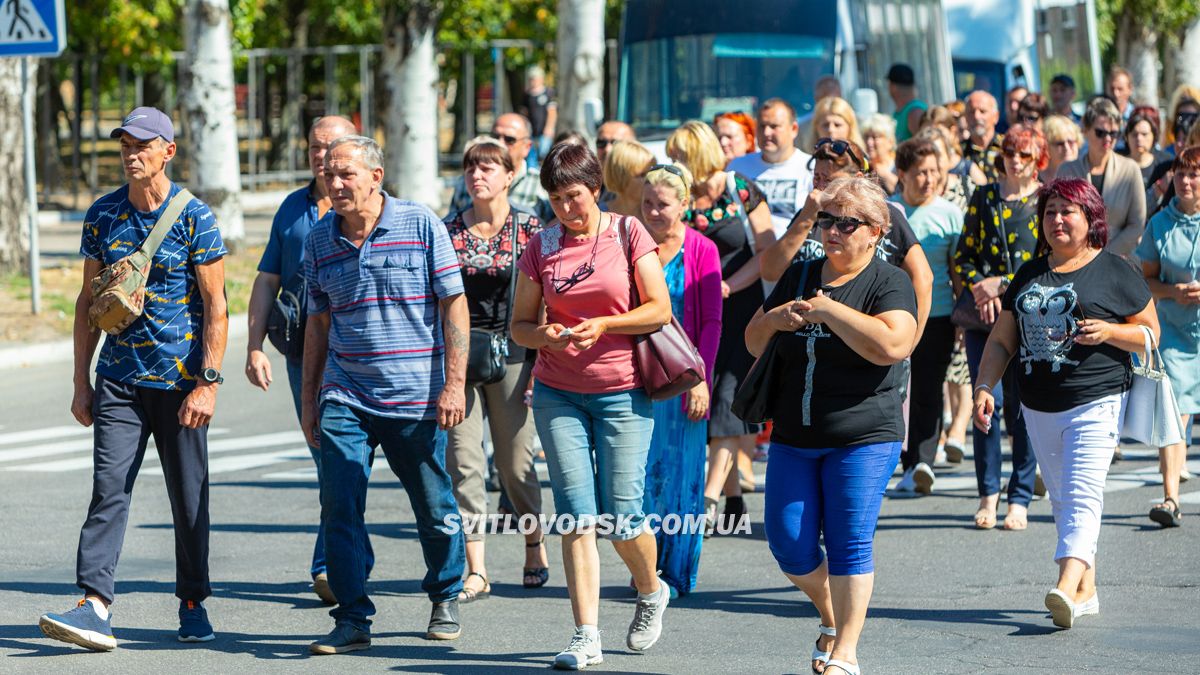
(119, 291)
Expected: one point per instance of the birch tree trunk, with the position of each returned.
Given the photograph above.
(410, 120)
(206, 95)
(1187, 63)
(1143, 63)
(14, 219)
(580, 52)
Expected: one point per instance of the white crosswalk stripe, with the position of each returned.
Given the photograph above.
(43, 434)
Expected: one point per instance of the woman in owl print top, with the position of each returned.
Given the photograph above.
(483, 239)
(1000, 233)
(1068, 322)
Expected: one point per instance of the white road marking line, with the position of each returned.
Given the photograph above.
(242, 462)
(224, 445)
(44, 434)
(67, 447)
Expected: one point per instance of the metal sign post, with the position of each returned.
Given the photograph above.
(31, 28)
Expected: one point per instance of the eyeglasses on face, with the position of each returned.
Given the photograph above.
(844, 224)
(508, 140)
(582, 272)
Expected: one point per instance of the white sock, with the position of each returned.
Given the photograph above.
(99, 608)
(590, 629)
(651, 596)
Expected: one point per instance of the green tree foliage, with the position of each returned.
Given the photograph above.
(1163, 17)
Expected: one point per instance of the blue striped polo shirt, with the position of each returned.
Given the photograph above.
(386, 347)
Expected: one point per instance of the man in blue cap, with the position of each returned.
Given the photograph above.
(157, 376)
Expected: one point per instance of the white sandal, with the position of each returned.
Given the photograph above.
(848, 668)
(817, 654)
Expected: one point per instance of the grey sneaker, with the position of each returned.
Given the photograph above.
(647, 620)
(583, 651)
(343, 638)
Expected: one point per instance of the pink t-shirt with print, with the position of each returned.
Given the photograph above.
(608, 366)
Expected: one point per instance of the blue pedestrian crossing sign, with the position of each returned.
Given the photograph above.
(32, 28)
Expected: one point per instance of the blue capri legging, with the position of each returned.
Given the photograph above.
(835, 491)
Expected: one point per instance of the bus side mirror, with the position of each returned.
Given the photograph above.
(865, 102)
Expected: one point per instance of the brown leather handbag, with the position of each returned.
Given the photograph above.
(119, 290)
(669, 363)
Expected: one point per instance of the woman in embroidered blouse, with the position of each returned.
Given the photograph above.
(675, 468)
(726, 217)
(999, 235)
(483, 239)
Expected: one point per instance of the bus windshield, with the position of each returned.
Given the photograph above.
(694, 60)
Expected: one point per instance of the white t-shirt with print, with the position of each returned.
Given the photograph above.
(786, 184)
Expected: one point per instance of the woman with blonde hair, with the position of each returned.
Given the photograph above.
(879, 138)
(1063, 140)
(732, 211)
(834, 118)
(624, 167)
(1184, 96)
(675, 467)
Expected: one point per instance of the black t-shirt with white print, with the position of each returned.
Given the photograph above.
(1054, 373)
(830, 396)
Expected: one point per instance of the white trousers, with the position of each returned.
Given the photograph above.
(1074, 449)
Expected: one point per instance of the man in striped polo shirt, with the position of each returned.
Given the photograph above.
(385, 357)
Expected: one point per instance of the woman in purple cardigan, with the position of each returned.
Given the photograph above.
(674, 497)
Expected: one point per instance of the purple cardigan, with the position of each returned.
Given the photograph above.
(702, 300)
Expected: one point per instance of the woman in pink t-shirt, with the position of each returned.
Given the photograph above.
(589, 408)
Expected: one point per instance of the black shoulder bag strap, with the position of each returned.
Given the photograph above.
(513, 214)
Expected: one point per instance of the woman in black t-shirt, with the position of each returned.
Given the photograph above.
(1071, 317)
(842, 324)
(488, 238)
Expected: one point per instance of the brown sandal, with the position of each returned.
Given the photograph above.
(470, 594)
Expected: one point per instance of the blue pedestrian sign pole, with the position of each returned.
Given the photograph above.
(31, 28)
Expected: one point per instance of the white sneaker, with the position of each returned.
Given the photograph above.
(939, 457)
(1184, 474)
(647, 620)
(583, 651)
(1062, 609)
(1088, 607)
(906, 483)
(923, 478)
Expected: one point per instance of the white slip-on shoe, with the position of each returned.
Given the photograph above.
(1062, 610)
(923, 478)
(1088, 607)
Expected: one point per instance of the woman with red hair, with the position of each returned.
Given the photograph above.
(1072, 317)
(736, 131)
(1000, 232)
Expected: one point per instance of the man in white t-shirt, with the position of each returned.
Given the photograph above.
(780, 169)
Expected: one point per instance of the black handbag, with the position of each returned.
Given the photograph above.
(752, 402)
(487, 355)
(288, 317)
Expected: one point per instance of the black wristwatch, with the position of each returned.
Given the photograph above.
(211, 375)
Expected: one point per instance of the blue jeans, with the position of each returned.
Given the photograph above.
(987, 446)
(295, 379)
(416, 451)
(832, 491)
(596, 449)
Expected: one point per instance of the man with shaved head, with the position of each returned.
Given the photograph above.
(609, 133)
(526, 192)
(983, 146)
(280, 270)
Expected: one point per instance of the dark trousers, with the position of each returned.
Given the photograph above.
(987, 446)
(124, 417)
(930, 360)
(416, 451)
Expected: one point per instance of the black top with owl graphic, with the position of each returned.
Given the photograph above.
(1054, 373)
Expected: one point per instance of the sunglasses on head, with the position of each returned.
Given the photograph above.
(844, 224)
(669, 168)
(508, 140)
(839, 148)
(1106, 133)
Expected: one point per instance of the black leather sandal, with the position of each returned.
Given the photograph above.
(471, 595)
(539, 575)
(1166, 516)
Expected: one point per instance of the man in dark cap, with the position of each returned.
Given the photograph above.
(1062, 94)
(902, 87)
(157, 376)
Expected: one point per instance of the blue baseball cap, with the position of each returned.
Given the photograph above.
(146, 123)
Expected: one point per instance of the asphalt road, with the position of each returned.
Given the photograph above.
(948, 599)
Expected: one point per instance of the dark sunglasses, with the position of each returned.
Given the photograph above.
(508, 140)
(1012, 154)
(605, 142)
(839, 148)
(1184, 123)
(844, 224)
(669, 168)
(582, 272)
(1103, 134)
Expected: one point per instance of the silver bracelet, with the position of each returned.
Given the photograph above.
(978, 387)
